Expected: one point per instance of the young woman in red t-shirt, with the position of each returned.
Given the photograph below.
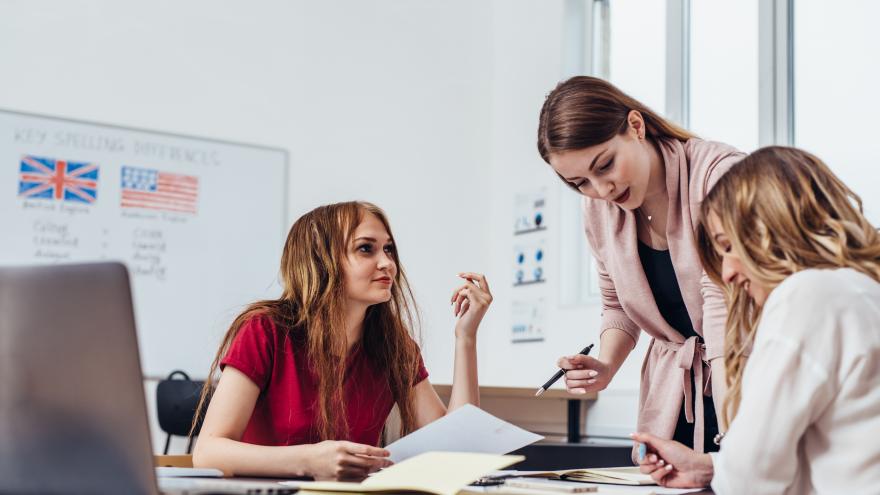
(309, 379)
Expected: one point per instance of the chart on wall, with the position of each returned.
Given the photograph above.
(198, 222)
(529, 256)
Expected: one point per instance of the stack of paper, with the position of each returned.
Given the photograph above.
(434, 473)
(467, 429)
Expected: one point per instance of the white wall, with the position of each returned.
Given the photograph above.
(427, 109)
(385, 101)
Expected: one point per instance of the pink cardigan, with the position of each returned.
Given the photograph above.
(692, 168)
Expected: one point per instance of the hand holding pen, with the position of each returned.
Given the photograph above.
(585, 374)
(671, 464)
(562, 371)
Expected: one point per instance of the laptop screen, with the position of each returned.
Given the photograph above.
(73, 414)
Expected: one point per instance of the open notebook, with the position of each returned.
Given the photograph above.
(628, 475)
(434, 473)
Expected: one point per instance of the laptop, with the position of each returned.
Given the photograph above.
(73, 415)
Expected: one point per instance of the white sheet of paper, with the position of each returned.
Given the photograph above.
(467, 429)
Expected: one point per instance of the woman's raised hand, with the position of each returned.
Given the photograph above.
(470, 302)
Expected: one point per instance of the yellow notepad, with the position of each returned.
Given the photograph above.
(435, 473)
(628, 475)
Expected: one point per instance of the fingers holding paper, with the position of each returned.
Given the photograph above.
(341, 460)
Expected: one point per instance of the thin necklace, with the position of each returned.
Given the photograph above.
(647, 220)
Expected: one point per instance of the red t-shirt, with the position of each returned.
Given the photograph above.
(283, 415)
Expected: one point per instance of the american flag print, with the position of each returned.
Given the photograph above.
(61, 180)
(157, 190)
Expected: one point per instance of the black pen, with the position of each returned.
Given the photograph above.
(559, 373)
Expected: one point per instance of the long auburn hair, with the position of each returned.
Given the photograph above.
(584, 111)
(783, 211)
(312, 309)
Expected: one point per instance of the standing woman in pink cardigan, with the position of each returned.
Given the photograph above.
(642, 179)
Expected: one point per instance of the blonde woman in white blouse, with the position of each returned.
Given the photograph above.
(800, 265)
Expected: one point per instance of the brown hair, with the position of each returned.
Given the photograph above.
(584, 111)
(783, 211)
(311, 307)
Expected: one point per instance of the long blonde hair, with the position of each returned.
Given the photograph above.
(784, 211)
(311, 310)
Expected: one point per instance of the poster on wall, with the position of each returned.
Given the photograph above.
(529, 260)
(529, 237)
(528, 212)
(527, 320)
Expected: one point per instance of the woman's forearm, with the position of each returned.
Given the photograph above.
(614, 347)
(243, 459)
(465, 387)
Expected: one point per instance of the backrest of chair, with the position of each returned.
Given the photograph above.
(176, 402)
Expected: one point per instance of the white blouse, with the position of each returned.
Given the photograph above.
(809, 419)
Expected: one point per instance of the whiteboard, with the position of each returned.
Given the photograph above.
(200, 223)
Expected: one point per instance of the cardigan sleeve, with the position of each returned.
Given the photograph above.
(714, 317)
(712, 161)
(613, 315)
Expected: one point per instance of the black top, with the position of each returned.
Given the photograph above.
(661, 277)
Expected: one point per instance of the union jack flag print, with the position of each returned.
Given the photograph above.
(49, 178)
(155, 190)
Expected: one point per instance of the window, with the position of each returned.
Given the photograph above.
(637, 50)
(724, 71)
(835, 99)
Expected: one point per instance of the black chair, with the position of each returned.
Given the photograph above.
(176, 402)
